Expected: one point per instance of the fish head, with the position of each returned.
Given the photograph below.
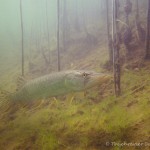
(95, 79)
(81, 80)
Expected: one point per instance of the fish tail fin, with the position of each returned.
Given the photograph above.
(4, 100)
(20, 82)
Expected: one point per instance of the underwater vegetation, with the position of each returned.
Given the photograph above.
(85, 123)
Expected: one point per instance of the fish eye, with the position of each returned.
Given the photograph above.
(84, 74)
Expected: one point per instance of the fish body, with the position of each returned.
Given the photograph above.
(59, 83)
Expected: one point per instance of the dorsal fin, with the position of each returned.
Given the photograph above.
(21, 82)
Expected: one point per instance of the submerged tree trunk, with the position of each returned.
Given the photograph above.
(127, 36)
(127, 9)
(84, 18)
(76, 24)
(22, 39)
(116, 42)
(58, 47)
(65, 26)
(137, 10)
(148, 33)
(48, 36)
(140, 32)
(108, 34)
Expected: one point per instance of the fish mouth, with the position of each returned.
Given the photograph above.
(104, 78)
(97, 79)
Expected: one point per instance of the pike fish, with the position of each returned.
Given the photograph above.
(59, 83)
